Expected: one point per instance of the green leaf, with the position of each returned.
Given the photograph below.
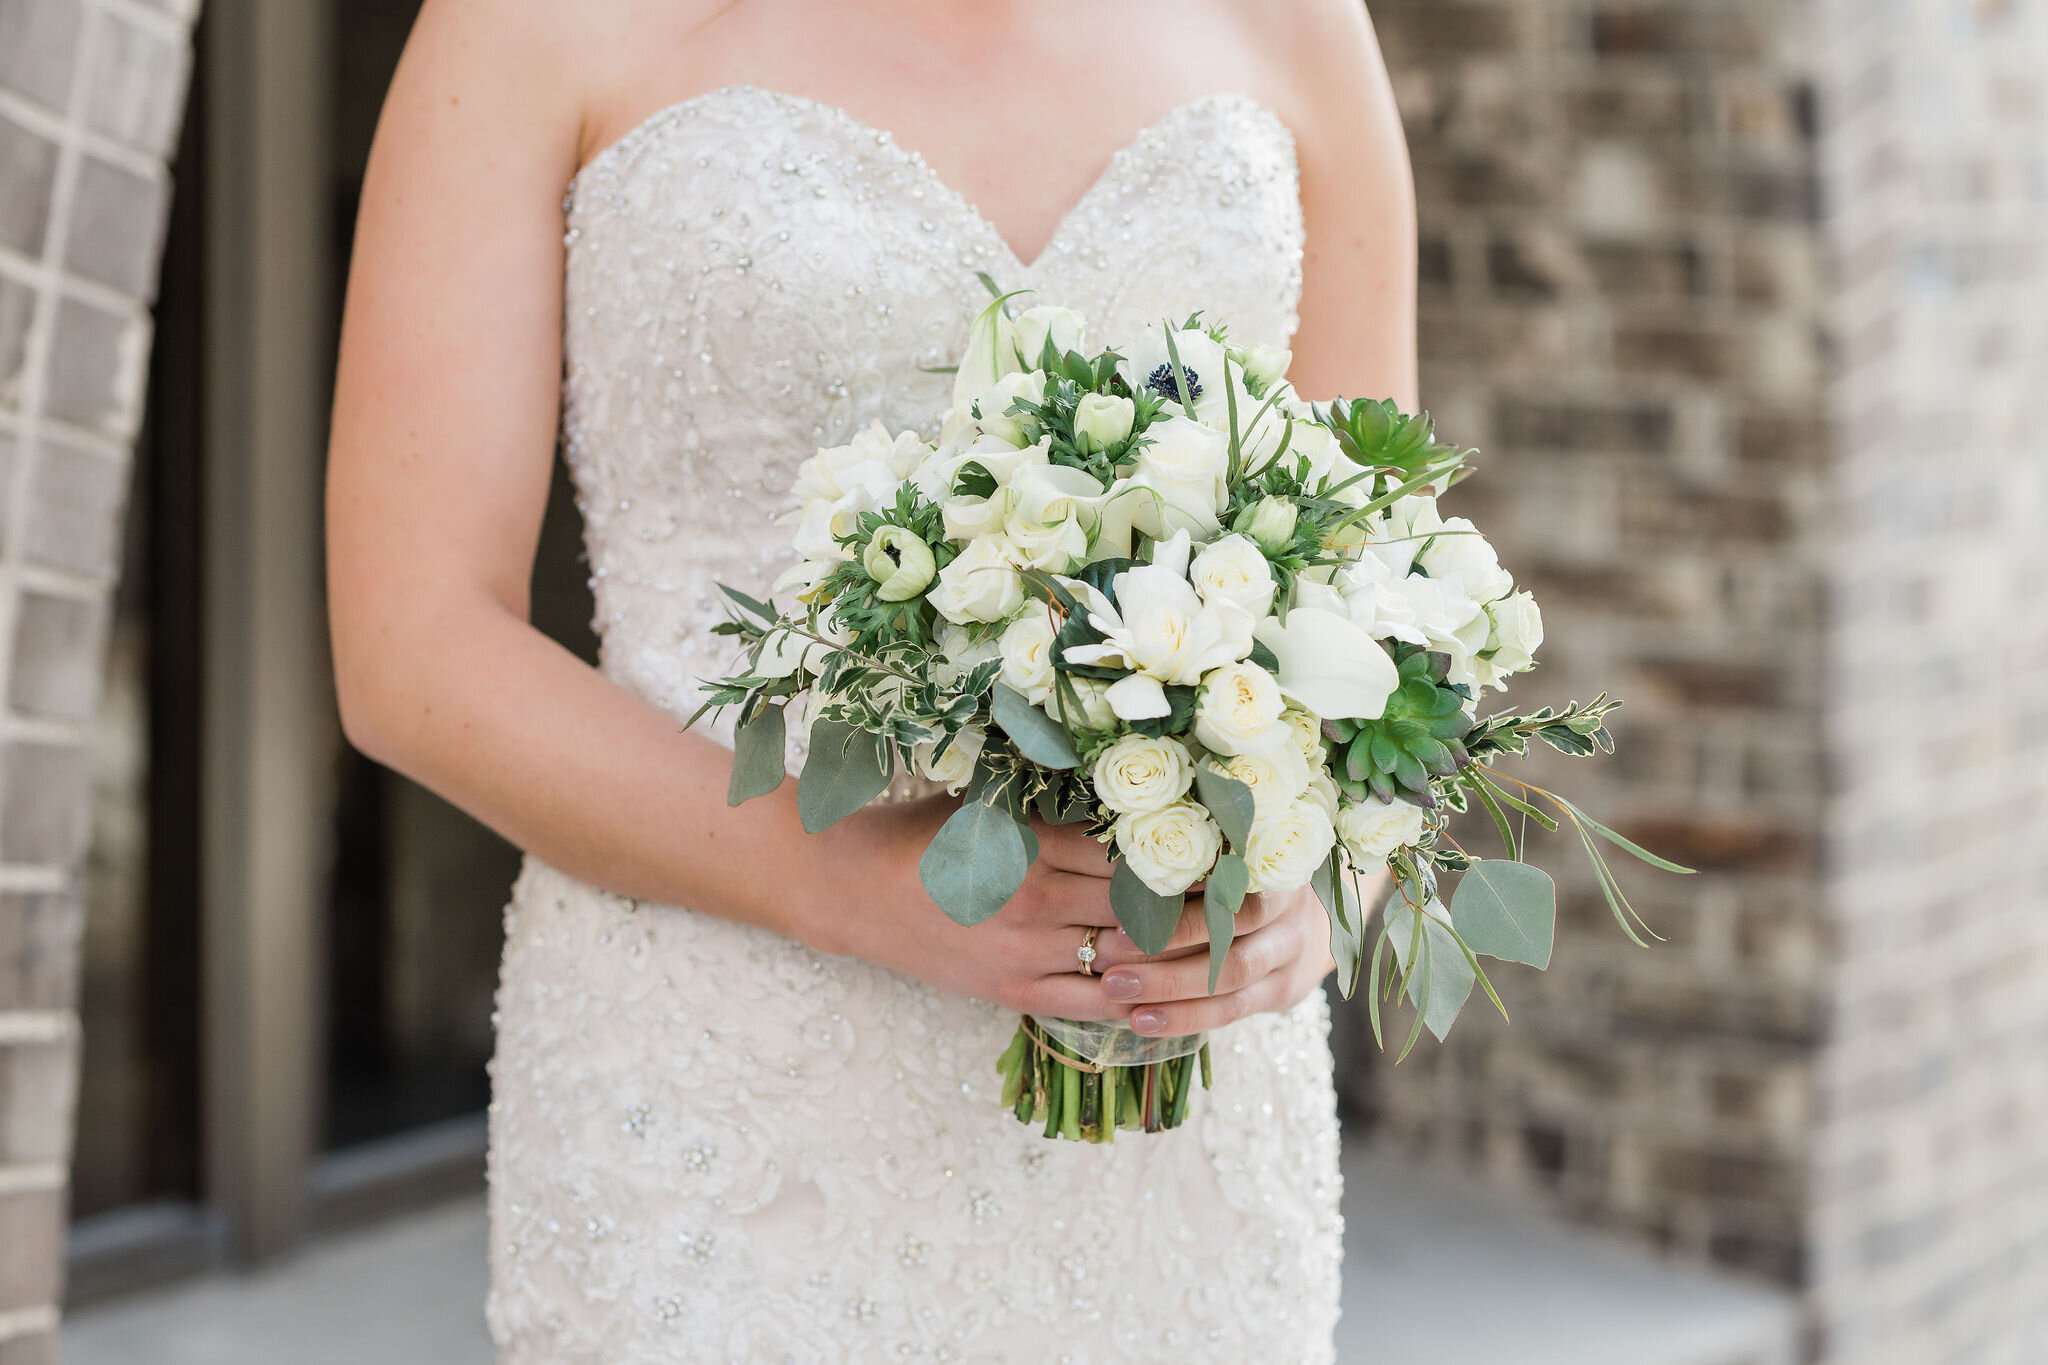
(1229, 801)
(976, 861)
(1441, 982)
(1500, 819)
(757, 757)
(1037, 736)
(1222, 894)
(1624, 845)
(1263, 655)
(1347, 935)
(758, 609)
(847, 769)
(1507, 910)
(1148, 917)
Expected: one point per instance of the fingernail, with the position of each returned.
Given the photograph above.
(1148, 1021)
(1121, 985)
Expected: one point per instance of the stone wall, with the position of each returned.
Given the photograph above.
(91, 92)
(1744, 299)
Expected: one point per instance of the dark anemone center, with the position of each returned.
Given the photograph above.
(1161, 383)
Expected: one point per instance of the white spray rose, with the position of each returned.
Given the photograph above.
(1275, 777)
(873, 460)
(980, 584)
(1307, 733)
(1263, 364)
(1139, 773)
(1091, 702)
(994, 405)
(1287, 847)
(1270, 522)
(1234, 570)
(823, 523)
(1239, 711)
(1322, 790)
(1182, 469)
(1056, 547)
(1066, 329)
(1101, 420)
(1517, 635)
(1375, 830)
(1170, 849)
(1027, 654)
(955, 767)
(1052, 509)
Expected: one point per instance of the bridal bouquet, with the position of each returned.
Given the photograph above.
(1155, 593)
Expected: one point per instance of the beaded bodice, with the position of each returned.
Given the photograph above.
(709, 1142)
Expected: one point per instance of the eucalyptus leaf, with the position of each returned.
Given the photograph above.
(1148, 917)
(757, 757)
(976, 861)
(1347, 934)
(847, 769)
(1441, 981)
(1507, 910)
(1037, 736)
(1229, 801)
(1222, 895)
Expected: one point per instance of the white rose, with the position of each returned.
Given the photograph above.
(980, 584)
(1139, 773)
(1517, 635)
(973, 518)
(1239, 711)
(1182, 469)
(1058, 547)
(1091, 703)
(1102, 420)
(1307, 731)
(1322, 790)
(1287, 847)
(1027, 654)
(1234, 569)
(1065, 328)
(1375, 830)
(874, 460)
(955, 767)
(1275, 778)
(1263, 364)
(1458, 553)
(1170, 849)
(1397, 536)
(994, 405)
(1270, 522)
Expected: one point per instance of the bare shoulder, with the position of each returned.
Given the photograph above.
(1327, 58)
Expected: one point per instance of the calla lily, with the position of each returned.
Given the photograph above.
(1328, 665)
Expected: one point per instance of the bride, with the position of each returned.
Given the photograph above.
(693, 240)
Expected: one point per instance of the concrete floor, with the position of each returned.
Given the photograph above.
(1433, 1272)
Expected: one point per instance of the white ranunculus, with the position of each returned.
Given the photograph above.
(1160, 627)
(1066, 329)
(1376, 830)
(1147, 365)
(1329, 665)
(1234, 570)
(1458, 553)
(991, 354)
(1103, 419)
(1239, 711)
(1275, 777)
(1263, 364)
(1027, 653)
(1092, 710)
(955, 767)
(1307, 732)
(1139, 773)
(1170, 849)
(1288, 846)
(1182, 467)
(981, 584)
(1517, 635)
(996, 419)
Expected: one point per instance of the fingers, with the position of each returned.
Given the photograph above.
(1065, 899)
(1069, 995)
(1115, 948)
(1069, 849)
(1252, 957)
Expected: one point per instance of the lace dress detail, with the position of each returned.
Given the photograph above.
(708, 1142)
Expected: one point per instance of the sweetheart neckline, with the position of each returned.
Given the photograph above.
(622, 146)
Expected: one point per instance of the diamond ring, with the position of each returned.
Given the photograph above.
(1086, 952)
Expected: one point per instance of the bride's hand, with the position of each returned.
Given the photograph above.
(1024, 957)
(1280, 955)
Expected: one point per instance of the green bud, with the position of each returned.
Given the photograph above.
(900, 562)
(1101, 420)
(1270, 522)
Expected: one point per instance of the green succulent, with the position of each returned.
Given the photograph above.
(1420, 736)
(1379, 435)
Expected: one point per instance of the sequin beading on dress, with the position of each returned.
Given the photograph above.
(711, 1143)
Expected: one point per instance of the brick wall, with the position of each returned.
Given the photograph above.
(1743, 300)
(90, 96)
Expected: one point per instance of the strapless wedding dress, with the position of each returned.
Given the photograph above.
(708, 1142)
